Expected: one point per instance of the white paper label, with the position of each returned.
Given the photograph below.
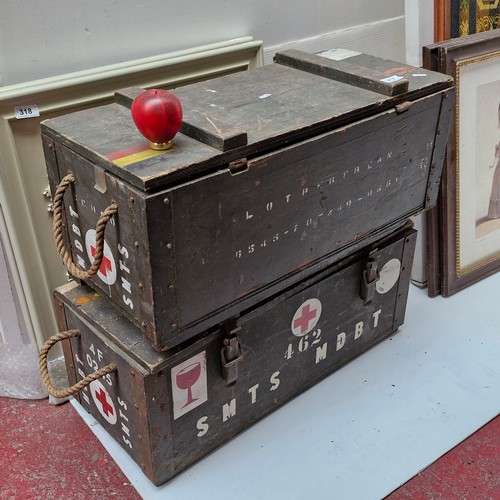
(338, 54)
(389, 275)
(392, 79)
(29, 111)
(264, 96)
(189, 384)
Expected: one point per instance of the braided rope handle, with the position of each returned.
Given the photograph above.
(99, 232)
(70, 391)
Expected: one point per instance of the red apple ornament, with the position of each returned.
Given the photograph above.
(157, 114)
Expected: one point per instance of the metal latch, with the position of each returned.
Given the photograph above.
(369, 280)
(404, 106)
(238, 166)
(231, 354)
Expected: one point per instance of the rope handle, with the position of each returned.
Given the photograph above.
(99, 232)
(70, 391)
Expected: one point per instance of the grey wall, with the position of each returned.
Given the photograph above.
(40, 39)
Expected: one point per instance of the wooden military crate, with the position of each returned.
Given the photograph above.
(277, 173)
(169, 409)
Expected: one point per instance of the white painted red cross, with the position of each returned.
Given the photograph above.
(306, 317)
(106, 264)
(103, 401)
(107, 270)
(102, 397)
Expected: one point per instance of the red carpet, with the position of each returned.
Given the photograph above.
(470, 471)
(48, 452)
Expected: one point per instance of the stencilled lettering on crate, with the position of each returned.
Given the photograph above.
(308, 192)
(319, 350)
(311, 338)
(115, 264)
(169, 409)
(102, 394)
(314, 202)
(330, 194)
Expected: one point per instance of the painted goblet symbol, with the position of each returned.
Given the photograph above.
(186, 378)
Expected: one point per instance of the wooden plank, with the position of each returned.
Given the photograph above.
(274, 106)
(218, 134)
(343, 71)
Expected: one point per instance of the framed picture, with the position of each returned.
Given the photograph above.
(455, 18)
(464, 229)
(442, 20)
(473, 16)
(25, 213)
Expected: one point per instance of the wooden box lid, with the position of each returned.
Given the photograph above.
(244, 115)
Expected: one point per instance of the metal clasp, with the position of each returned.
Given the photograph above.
(369, 280)
(238, 166)
(231, 354)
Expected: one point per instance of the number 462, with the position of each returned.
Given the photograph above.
(304, 343)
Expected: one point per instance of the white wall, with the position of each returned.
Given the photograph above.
(40, 39)
(419, 28)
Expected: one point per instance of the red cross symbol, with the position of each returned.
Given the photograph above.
(105, 264)
(101, 396)
(306, 315)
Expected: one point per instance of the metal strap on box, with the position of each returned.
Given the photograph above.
(231, 355)
(369, 279)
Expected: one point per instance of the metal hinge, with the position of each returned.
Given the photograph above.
(238, 166)
(231, 354)
(369, 279)
(47, 194)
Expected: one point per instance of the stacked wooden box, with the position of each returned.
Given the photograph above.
(265, 249)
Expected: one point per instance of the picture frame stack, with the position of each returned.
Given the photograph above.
(463, 230)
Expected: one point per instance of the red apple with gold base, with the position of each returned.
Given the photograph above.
(157, 114)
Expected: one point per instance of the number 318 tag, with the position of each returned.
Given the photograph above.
(26, 111)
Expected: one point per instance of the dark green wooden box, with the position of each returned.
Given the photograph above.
(278, 173)
(169, 409)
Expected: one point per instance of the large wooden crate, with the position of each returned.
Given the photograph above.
(278, 173)
(167, 410)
